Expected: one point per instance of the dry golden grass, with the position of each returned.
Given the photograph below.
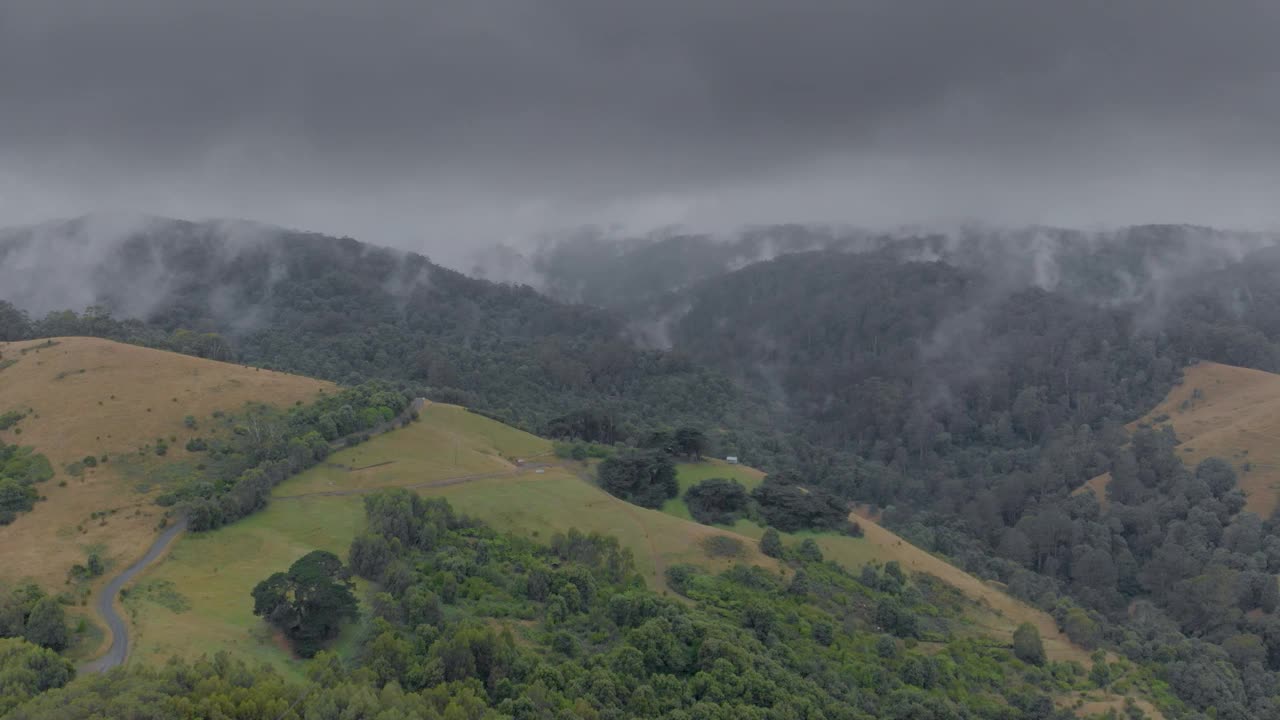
(95, 397)
(1228, 412)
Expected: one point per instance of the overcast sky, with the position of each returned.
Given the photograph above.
(438, 125)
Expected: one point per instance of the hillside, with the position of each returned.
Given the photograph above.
(1226, 412)
(86, 397)
(194, 600)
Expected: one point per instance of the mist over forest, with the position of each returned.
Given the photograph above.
(965, 383)
(690, 360)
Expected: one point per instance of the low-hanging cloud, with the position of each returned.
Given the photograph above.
(443, 126)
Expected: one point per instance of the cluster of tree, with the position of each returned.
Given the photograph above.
(717, 501)
(20, 469)
(593, 642)
(29, 613)
(253, 451)
(779, 502)
(686, 441)
(644, 477)
(591, 425)
(1172, 572)
(220, 686)
(26, 670)
(789, 506)
(97, 321)
(309, 602)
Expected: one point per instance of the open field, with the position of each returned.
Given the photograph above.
(447, 441)
(197, 601)
(1228, 412)
(91, 397)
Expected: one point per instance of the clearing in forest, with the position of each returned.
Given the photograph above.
(1228, 412)
(689, 474)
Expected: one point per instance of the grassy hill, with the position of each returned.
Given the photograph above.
(1227, 412)
(85, 397)
(197, 600)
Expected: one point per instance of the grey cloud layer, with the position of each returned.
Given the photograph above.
(391, 116)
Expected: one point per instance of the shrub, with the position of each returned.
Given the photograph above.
(723, 546)
(1027, 645)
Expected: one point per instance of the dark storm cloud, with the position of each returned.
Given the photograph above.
(387, 119)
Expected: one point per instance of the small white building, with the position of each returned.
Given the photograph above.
(732, 459)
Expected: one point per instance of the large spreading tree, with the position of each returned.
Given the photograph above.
(644, 477)
(309, 602)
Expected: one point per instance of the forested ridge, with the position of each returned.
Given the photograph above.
(337, 309)
(967, 391)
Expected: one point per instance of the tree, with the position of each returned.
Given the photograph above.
(1100, 673)
(1082, 629)
(1027, 646)
(14, 323)
(771, 543)
(646, 478)
(809, 551)
(716, 501)
(892, 616)
(309, 602)
(691, 442)
(1218, 474)
(369, 556)
(47, 625)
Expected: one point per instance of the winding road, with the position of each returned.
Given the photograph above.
(106, 603)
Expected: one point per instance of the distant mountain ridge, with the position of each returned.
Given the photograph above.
(338, 309)
(631, 272)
